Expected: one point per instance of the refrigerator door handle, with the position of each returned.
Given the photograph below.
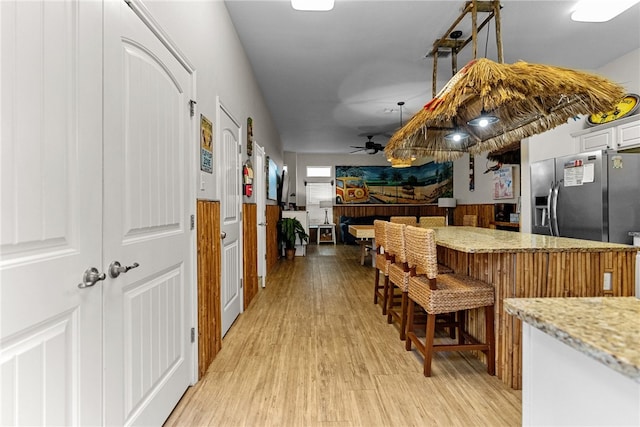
(556, 230)
(548, 212)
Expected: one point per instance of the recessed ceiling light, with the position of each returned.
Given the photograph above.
(313, 5)
(600, 11)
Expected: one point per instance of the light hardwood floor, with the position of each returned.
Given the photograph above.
(313, 350)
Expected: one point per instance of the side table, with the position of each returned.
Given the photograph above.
(326, 233)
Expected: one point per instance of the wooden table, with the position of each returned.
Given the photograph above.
(523, 265)
(364, 235)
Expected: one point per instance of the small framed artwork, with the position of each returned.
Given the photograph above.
(503, 183)
(249, 136)
(206, 144)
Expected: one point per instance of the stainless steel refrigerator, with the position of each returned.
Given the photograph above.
(593, 196)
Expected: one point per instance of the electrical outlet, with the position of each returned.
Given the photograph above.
(607, 281)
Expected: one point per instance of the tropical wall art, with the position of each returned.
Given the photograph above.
(384, 184)
(206, 144)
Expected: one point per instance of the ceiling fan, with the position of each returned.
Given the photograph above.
(370, 147)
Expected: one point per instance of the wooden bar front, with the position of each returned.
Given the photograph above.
(531, 266)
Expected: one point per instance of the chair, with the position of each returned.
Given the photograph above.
(432, 221)
(470, 220)
(446, 293)
(382, 264)
(398, 275)
(406, 220)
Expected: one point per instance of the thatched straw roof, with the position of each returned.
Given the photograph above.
(527, 98)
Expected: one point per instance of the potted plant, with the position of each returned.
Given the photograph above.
(290, 230)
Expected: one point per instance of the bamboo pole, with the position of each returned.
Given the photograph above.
(496, 12)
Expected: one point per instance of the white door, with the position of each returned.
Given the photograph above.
(230, 217)
(51, 210)
(261, 206)
(147, 134)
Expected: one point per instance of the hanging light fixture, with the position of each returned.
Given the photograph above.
(458, 136)
(483, 120)
(400, 163)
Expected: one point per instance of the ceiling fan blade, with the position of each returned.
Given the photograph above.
(355, 151)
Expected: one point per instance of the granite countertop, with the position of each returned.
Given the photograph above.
(486, 240)
(604, 328)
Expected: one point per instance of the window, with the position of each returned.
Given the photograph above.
(318, 171)
(316, 193)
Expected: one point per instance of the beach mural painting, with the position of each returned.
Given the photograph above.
(384, 184)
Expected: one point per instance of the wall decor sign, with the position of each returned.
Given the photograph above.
(206, 144)
(503, 183)
(472, 172)
(384, 184)
(249, 136)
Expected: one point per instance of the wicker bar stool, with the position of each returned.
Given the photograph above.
(447, 293)
(470, 220)
(432, 221)
(398, 275)
(406, 220)
(383, 261)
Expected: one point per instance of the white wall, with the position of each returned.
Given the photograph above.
(204, 32)
(483, 188)
(558, 142)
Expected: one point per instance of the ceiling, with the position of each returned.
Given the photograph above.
(332, 78)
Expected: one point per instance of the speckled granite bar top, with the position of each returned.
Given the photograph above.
(486, 240)
(606, 329)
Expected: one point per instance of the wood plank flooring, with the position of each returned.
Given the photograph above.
(313, 350)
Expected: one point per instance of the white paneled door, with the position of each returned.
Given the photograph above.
(231, 292)
(51, 204)
(260, 190)
(94, 159)
(147, 127)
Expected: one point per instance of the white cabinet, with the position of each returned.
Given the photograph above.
(619, 135)
(563, 386)
(598, 140)
(628, 135)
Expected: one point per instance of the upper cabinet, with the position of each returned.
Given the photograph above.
(619, 135)
(628, 134)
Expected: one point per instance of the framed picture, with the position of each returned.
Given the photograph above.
(386, 185)
(503, 183)
(272, 180)
(249, 136)
(206, 144)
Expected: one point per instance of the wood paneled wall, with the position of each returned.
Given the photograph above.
(209, 277)
(273, 215)
(483, 211)
(250, 251)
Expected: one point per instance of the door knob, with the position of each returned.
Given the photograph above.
(90, 277)
(264, 224)
(115, 268)
(223, 234)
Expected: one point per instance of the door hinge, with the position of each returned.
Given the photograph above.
(240, 148)
(241, 283)
(192, 107)
(193, 334)
(193, 221)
